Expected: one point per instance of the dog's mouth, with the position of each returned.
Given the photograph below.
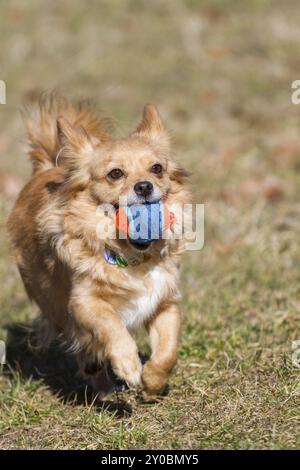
(141, 246)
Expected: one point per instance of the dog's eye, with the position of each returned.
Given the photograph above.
(156, 168)
(115, 174)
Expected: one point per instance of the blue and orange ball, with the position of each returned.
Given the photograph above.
(144, 223)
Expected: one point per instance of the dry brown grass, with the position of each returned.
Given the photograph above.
(221, 73)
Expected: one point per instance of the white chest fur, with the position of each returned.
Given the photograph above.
(152, 290)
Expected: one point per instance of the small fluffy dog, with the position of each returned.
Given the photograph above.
(90, 303)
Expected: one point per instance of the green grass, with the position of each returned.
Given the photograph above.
(221, 73)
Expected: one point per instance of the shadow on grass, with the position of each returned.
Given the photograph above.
(56, 368)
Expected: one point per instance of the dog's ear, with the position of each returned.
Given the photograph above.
(76, 149)
(151, 127)
(68, 134)
(151, 123)
(72, 136)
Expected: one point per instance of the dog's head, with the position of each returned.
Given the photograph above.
(136, 169)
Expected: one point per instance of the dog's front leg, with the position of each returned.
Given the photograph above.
(96, 319)
(164, 329)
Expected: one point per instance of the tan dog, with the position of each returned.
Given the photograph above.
(88, 302)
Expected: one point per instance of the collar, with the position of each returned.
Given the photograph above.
(112, 257)
(132, 259)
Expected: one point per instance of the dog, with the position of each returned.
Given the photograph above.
(92, 305)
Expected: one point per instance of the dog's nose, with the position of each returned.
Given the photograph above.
(143, 188)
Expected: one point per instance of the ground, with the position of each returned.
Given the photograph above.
(220, 73)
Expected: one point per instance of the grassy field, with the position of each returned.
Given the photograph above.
(220, 71)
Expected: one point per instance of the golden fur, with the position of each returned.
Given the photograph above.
(53, 229)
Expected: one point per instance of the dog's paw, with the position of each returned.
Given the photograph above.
(128, 367)
(154, 380)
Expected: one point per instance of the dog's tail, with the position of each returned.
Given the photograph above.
(42, 130)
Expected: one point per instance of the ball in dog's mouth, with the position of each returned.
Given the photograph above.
(142, 227)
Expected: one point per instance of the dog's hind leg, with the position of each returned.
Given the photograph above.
(100, 376)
